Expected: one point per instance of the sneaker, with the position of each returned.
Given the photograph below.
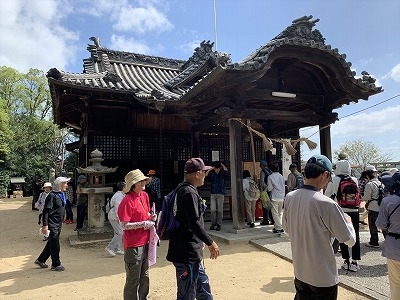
(40, 264)
(112, 253)
(218, 228)
(58, 268)
(372, 245)
(45, 239)
(252, 225)
(120, 252)
(213, 226)
(277, 231)
(264, 223)
(354, 267)
(346, 265)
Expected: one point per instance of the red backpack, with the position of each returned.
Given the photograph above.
(348, 194)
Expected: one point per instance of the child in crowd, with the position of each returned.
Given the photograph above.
(40, 202)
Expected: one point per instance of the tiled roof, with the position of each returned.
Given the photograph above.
(148, 77)
(300, 33)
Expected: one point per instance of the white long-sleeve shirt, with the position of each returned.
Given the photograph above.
(115, 201)
(276, 185)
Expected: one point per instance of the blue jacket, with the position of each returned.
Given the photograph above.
(218, 181)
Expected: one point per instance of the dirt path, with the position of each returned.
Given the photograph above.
(242, 271)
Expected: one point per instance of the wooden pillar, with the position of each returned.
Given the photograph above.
(235, 145)
(325, 141)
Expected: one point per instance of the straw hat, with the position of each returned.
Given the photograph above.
(134, 177)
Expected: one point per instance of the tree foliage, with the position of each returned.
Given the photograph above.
(30, 143)
(361, 153)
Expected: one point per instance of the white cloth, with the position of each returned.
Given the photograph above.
(371, 191)
(114, 203)
(313, 220)
(276, 185)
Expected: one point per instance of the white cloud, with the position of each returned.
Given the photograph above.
(379, 127)
(190, 46)
(32, 37)
(141, 20)
(395, 73)
(119, 42)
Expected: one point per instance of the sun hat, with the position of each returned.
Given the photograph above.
(57, 183)
(133, 177)
(151, 172)
(372, 168)
(322, 161)
(46, 184)
(195, 164)
(292, 166)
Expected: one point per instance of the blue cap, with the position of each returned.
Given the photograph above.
(263, 163)
(322, 161)
(80, 177)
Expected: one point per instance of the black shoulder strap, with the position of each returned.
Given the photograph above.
(393, 212)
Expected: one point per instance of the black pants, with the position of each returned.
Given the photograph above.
(305, 291)
(69, 215)
(355, 250)
(52, 248)
(34, 200)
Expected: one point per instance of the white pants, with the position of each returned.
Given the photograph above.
(394, 278)
(276, 211)
(116, 242)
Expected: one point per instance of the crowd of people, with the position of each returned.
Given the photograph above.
(310, 207)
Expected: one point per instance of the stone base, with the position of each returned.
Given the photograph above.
(92, 235)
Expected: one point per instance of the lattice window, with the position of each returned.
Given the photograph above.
(209, 144)
(113, 147)
(148, 148)
(183, 148)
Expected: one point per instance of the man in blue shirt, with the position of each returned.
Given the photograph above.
(218, 174)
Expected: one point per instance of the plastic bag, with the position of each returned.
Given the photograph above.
(266, 202)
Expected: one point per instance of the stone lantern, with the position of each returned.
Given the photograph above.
(96, 192)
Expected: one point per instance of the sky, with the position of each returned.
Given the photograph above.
(46, 34)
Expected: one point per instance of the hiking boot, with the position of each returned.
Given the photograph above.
(354, 267)
(58, 268)
(372, 245)
(112, 253)
(40, 264)
(213, 226)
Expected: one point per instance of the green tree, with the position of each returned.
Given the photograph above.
(37, 143)
(5, 136)
(361, 153)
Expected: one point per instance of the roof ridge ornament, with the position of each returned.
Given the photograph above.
(302, 28)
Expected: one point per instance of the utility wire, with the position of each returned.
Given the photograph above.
(379, 103)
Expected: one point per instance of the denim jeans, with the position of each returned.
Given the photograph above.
(81, 215)
(192, 282)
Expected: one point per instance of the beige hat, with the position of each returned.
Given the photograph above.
(134, 177)
(47, 184)
(372, 168)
